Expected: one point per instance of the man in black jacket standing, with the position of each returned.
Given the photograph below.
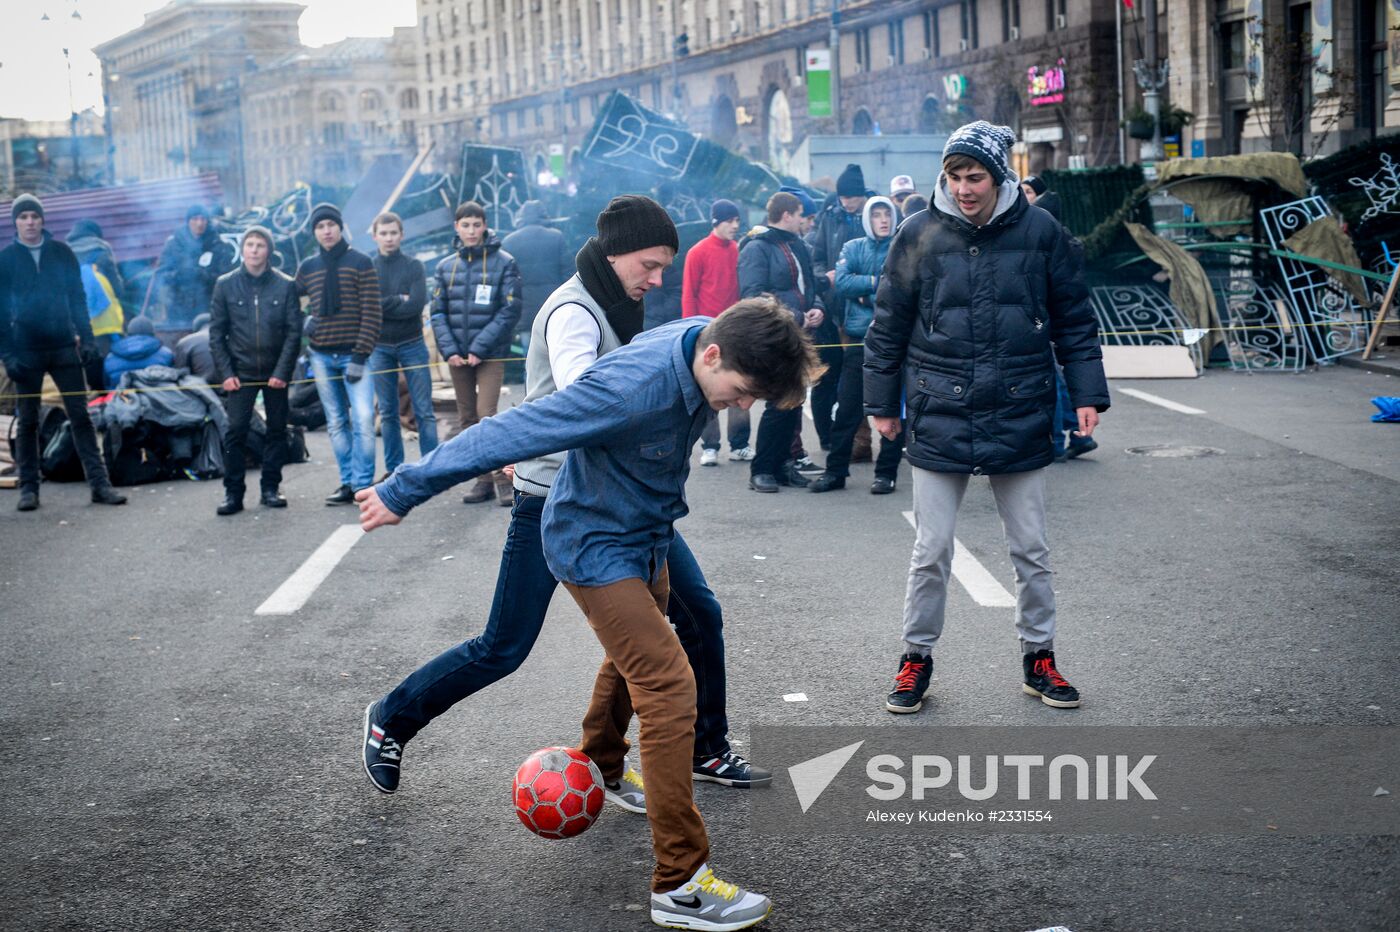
(838, 223)
(977, 291)
(544, 259)
(774, 260)
(44, 328)
(254, 335)
(403, 291)
(191, 261)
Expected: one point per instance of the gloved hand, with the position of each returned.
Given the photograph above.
(88, 353)
(356, 370)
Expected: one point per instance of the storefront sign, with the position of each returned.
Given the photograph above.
(1043, 134)
(1048, 86)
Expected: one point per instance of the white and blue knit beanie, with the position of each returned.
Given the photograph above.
(986, 143)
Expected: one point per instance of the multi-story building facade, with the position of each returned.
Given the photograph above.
(532, 73)
(170, 107)
(1308, 76)
(323, 115)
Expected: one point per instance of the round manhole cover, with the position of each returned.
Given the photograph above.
(1173, 451)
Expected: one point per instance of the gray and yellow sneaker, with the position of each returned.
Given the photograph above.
(629, 793)
(706, 902)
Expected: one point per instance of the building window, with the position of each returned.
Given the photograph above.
(408, 100)
(1010, 20)
(333, 133)
(1232, 45)
(520, 119)
(539, 116)
(932, 45)
(802, 61)
(456, 58)
(967, 14)
(896, 38)
(330, 103)
(371, 102)
(862, 37)
(428, 61)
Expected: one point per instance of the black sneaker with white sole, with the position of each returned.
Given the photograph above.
(910, 684)
(383, 755)
(1043, 680)
(729, 769)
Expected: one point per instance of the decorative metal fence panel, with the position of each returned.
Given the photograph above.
(1261, 327)
(1141, 315)
(1333, 324)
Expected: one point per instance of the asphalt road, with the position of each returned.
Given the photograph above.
(174, 761)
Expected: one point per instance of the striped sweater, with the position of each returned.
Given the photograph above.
(354, 327)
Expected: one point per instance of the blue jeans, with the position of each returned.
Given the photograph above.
(349, 417)
(413, 358)
(524, 587)
(1066, 419)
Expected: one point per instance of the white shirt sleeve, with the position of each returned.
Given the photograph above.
(573, 337)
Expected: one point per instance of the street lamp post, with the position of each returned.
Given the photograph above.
(1151, 77)
(834, 43)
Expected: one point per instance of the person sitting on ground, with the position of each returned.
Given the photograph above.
(137, 350)
(193, 353)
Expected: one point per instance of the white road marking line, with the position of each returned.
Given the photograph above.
(795, 697)
(1162, 402)
(974, 577)
(292, 594)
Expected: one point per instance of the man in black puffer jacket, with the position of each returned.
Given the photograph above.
(254, 335)
(977, 292)
(476, 304)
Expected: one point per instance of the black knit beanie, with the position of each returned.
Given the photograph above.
(851, 182)
(25, 202)
(631, 222)
(1037, 184)
(326, 211)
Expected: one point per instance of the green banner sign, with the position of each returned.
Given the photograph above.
(819, 83)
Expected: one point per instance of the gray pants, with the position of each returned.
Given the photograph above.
(1020, 501)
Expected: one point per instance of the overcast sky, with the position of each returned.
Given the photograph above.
(34, 81)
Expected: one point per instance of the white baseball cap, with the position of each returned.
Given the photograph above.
(902, 184)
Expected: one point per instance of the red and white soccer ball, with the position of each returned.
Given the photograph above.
(558, 792)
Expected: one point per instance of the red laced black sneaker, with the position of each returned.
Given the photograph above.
(1043, 680)
(910, 684)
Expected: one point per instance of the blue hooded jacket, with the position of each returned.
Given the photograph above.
(132, 352)
(859, 268)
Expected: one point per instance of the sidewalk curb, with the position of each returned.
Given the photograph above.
(1388, 364)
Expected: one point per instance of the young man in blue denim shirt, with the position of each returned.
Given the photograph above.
(595, 312)
(629, 424)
